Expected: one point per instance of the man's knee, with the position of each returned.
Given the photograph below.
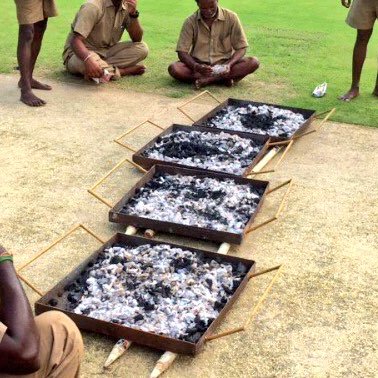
(142, 50)
(253, 63)
(26, 33)
(173, 70)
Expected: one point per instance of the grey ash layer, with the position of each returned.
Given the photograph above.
(263, 119)
(218, 152)
(160, 289)
(211, 203)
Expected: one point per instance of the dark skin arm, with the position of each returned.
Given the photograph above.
(19, 348)
(238, 54)
(202, 69)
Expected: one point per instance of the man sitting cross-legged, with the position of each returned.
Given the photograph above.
(211, 48)
(93, 49)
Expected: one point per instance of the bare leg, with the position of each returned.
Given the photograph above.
(182, 72)
(375, 92)
(138, 69)
(24, 56)
(359, 55)
(39, 31)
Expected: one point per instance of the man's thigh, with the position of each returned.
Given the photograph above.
(363, 14)
(75, 65)
(32, 11)
(124, 54)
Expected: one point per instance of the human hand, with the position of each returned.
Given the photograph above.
(93, 69)
(131, 6)
(203, 69)
(346, 3)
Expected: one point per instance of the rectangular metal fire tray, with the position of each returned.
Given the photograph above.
(147, 162)
(308, 114)
(119, 331)
(116, 216)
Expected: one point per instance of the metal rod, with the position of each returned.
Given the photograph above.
(282, 143)
(262, 298)
(29, 284)
(92, 233)
(137, 166)
(124, 144)
(322, 113)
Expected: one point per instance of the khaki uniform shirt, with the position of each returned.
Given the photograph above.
(212, 45)
(3, 329)
(100, 24)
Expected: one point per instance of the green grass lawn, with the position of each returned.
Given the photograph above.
(299, 44)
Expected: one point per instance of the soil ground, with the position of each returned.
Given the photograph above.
(320, 318)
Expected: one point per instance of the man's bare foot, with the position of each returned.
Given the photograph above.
(134, 70)
(350, 95)
(35, 84)
(229, 83)
(30, 99)
(200, 83)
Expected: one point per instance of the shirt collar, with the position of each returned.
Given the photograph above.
(220, 15)
(109, 3)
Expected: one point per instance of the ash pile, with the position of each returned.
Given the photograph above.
(218, 152)
(161, 289)
(263, 119)
(211, 203)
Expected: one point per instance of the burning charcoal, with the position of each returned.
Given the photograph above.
(263, 119)
(180, 199)
(218, 152)
(162, 289)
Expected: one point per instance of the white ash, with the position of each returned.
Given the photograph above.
(219, 69)
(218, 152)
(211, 203)
(160, 289)
(263, 119)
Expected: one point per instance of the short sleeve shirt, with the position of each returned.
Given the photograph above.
(100, 24)
(212, 45)
(3, 329)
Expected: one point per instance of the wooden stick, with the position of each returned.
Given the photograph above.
(253, 275)
(224, 248)
(284, 154)
(100, 198)
(282, 143)
(163, 364)
(264, 161)
(262, 298)
(253, 228)
(278, 186)
(149, 233)
(226, 333)
(322, 113)
(278, 213)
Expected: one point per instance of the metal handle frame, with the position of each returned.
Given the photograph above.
(255, 309)
(53, 244)
(180, 108)
(99, 182)
(127, 145)
(280, 207)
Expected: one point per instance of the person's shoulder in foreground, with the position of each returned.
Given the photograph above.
(33, 348)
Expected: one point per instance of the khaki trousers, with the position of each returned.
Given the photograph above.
(61, 347)
(121, 55)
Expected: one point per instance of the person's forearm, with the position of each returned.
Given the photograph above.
(20, 345)
(135, 30)
(187, 59)
(79, 48)
(236, 56)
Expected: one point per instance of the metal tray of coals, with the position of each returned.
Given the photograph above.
(203, 152)
(118, 215)
(74, 284)
(308, 115)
